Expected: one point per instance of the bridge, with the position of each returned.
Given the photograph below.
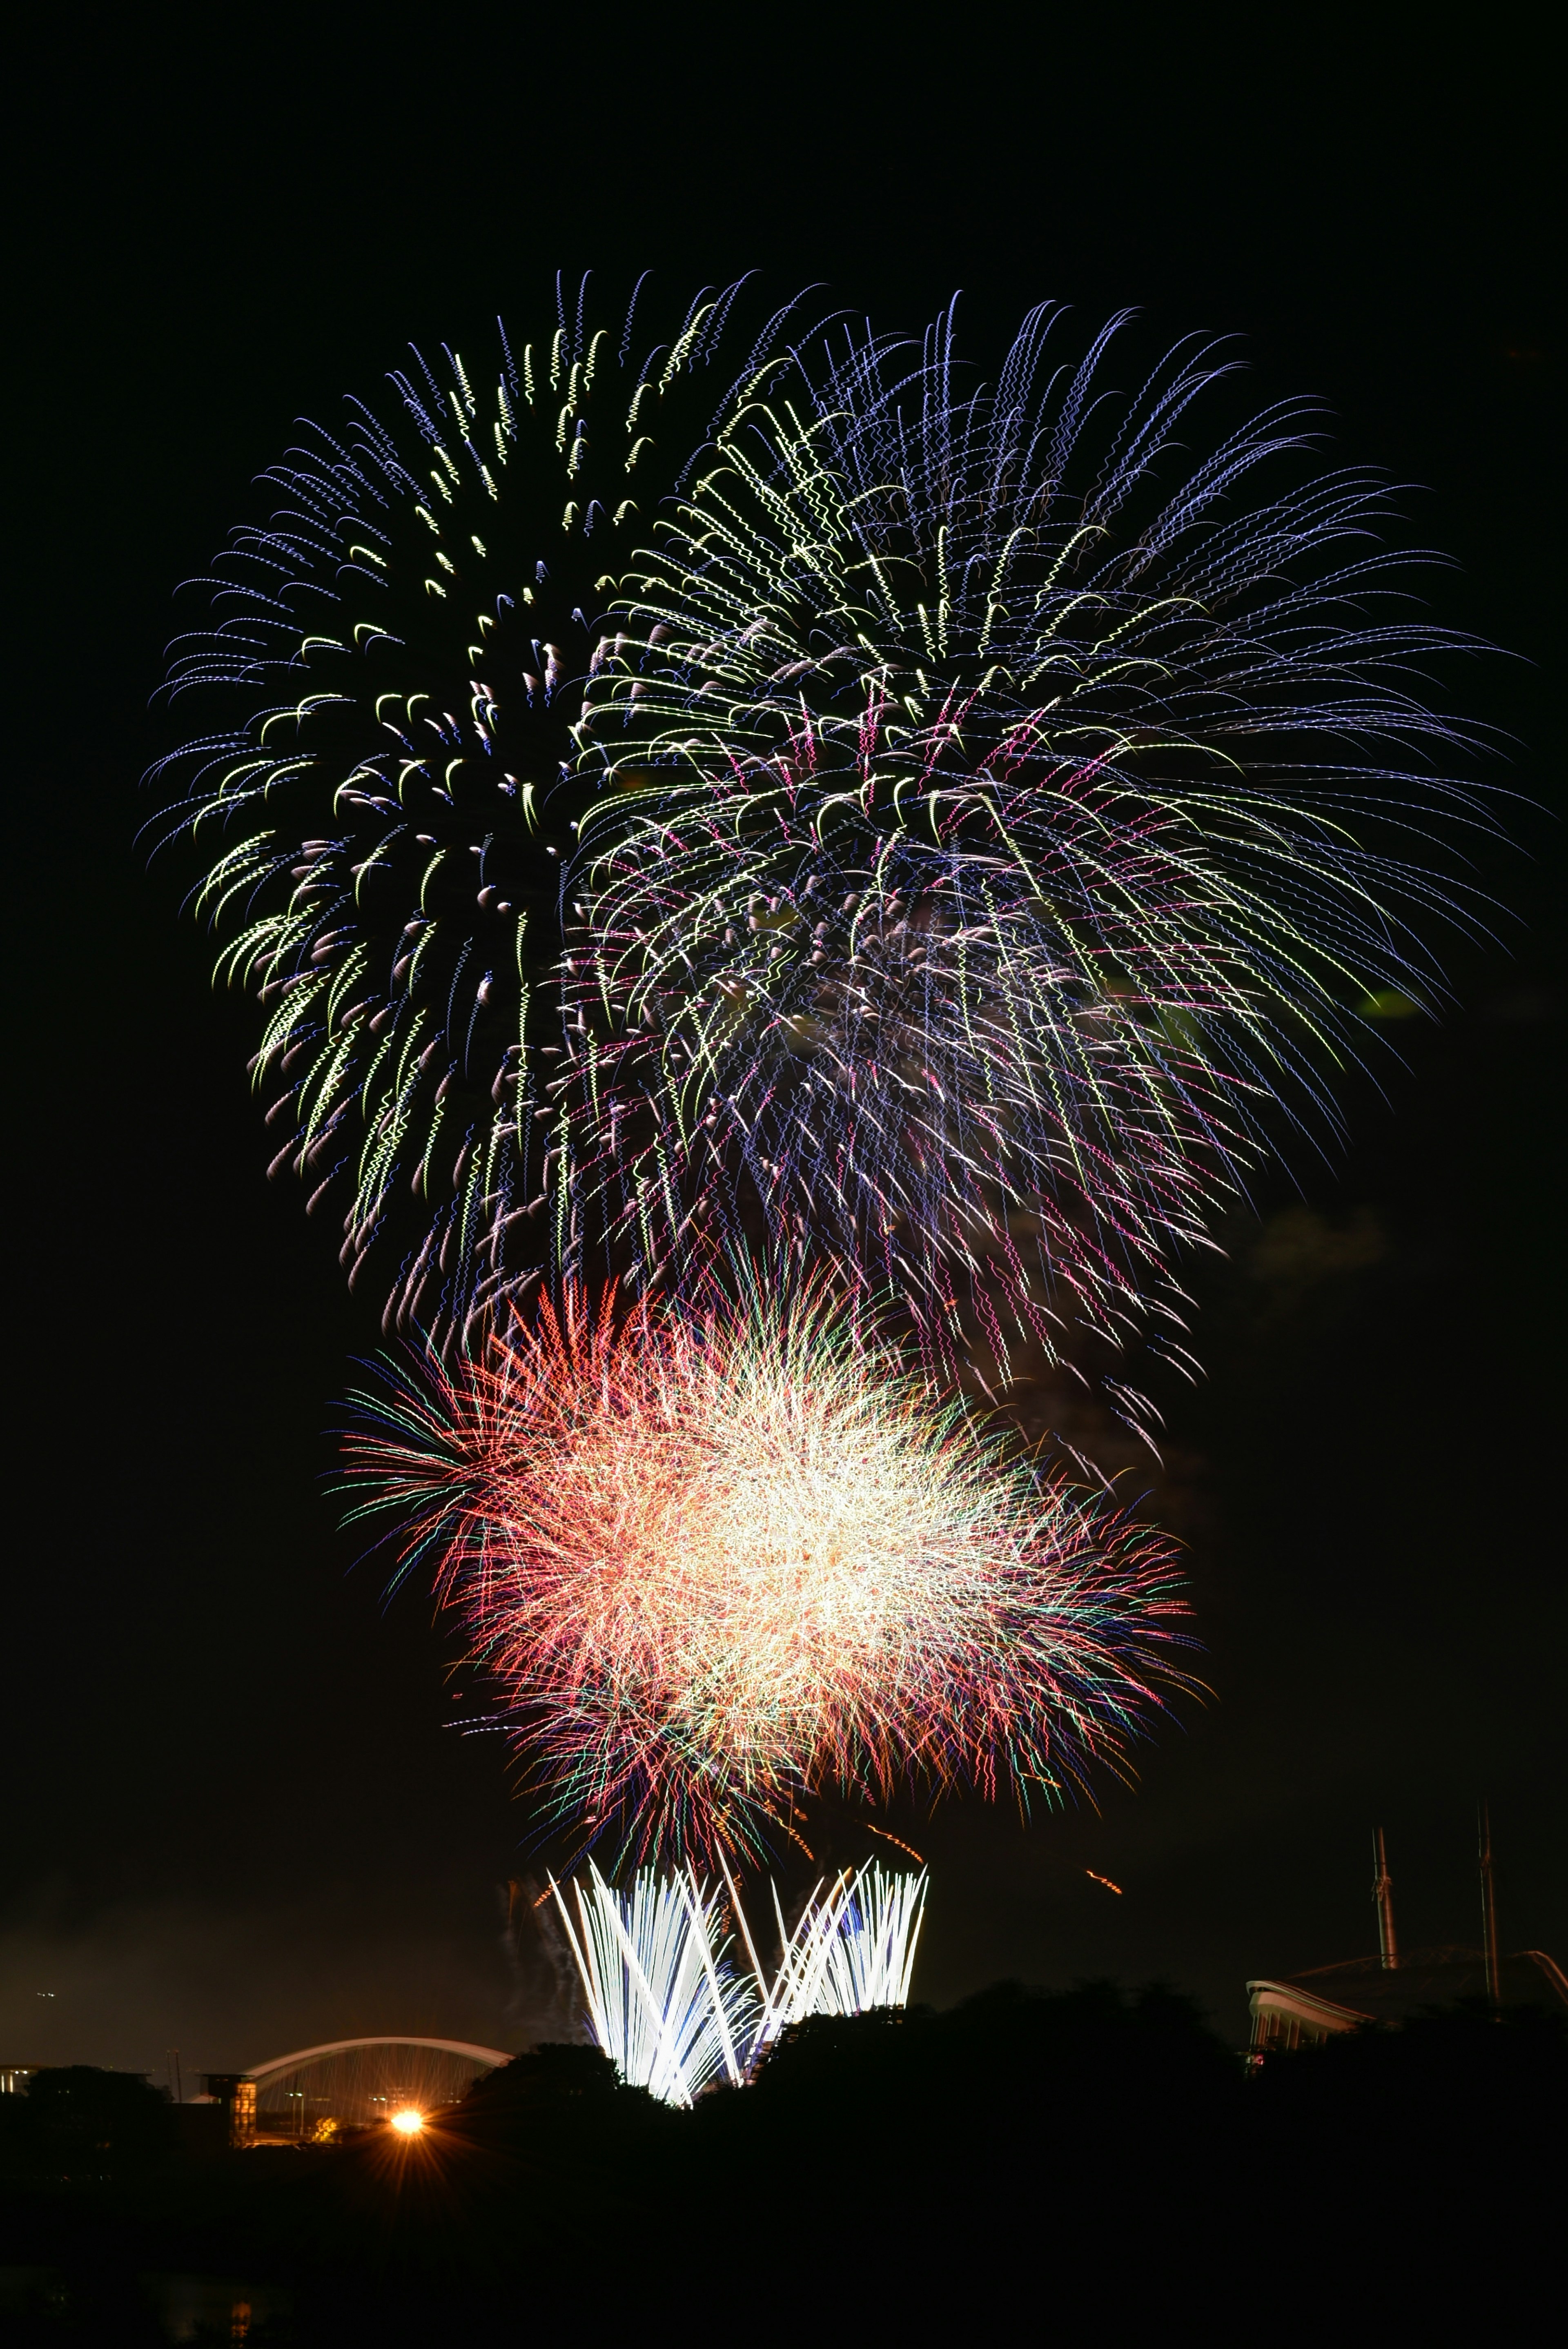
(314, 2094)
(484, 2058)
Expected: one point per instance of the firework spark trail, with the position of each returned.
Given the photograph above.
(873, 1953)
(381, 769)
(663, 2003)
(852, 1949)
(1022, 810)
(945, 860)
(975, 831)
(712, 1563)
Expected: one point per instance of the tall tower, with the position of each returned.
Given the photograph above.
(1489, 1903)
(1383, 1893)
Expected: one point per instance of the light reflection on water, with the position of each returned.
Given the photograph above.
(189, 2307)
(194, 2306)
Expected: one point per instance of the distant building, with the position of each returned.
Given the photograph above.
(235, 2095)
(1304, 2010)
(14, 2078)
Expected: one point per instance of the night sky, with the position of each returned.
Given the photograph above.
(240, 1813)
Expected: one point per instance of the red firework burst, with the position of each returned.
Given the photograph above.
(715, 1563)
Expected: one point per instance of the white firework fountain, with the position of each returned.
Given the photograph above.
(665, 2001)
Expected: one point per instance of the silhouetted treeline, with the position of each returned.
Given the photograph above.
(1022, 2164)
(77, 2122)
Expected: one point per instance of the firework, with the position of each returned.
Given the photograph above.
(663, 2003)
(852, 1949)
(382, 768)
(1022, 806)
(713, 1563)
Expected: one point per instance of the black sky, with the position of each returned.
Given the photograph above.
(238, 1815)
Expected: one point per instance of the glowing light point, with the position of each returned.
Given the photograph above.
(408, 2123)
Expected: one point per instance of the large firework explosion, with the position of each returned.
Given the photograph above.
(383, 768)
(1022, 802)
(714, 1563)
(725, 800)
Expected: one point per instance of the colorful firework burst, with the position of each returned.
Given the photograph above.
(1022, 812)
(383, 770)
(712, 1563)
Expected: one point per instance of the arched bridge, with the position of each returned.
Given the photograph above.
(487, 2058)
(314, 2094)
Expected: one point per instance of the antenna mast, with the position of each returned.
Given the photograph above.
(1489, 1904)
(1383, 1893)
